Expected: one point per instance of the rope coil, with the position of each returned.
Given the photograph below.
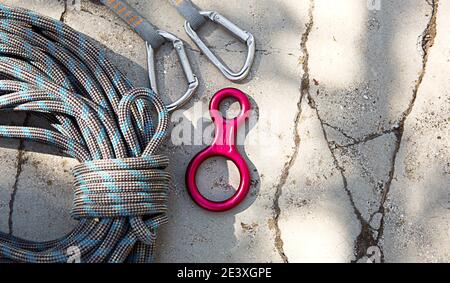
(98, 117)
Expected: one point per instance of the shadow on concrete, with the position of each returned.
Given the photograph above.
(370, 107)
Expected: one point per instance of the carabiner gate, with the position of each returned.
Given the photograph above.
(185, 64)
(244, 36)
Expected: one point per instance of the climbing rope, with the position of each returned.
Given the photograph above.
(99, 118)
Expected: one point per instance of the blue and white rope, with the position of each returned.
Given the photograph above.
(99, 118)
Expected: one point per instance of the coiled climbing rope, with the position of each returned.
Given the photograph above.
(98, 117)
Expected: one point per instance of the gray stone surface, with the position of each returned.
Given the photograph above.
(417, 208)
(317, 223)
(50, 8)
(9, 155)
(365, 63)
(365, 171)
(11, 152)
(35, 194)
(348, 143)
(44, 195)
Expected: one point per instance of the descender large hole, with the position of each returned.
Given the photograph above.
(217, 179)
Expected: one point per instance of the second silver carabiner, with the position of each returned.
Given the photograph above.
(192, 79)
(244, 36)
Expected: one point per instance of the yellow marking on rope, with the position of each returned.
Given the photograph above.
(111, 2)
(128, 15)
(138, 23)
(132, 19)
(117, 5)
(178, 2)
(122, 10)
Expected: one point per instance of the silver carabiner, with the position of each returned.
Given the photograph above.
(244, 36)
(185, 64)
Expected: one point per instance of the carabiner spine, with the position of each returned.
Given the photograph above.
(184, 60)
(151, 67)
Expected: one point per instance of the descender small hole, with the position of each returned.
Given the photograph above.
(230, 108)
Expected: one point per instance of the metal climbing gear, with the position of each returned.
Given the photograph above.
(224, 145)
(121, 184)
(154, 39)
(196, 18)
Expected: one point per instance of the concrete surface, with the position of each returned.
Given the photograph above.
(348, 144)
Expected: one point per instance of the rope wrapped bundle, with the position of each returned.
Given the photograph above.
(99, 118)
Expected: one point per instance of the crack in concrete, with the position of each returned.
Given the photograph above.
(367, 138)
(112, 20)
(62, 18)
(361, 140)
(428, 37)
(341, 131)
(20, 160)
(304, 90)
(366, 238)
(266, 51)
